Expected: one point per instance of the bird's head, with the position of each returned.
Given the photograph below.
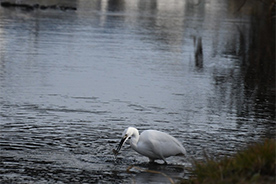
(127, 134)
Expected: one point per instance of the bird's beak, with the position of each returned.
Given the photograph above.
(123, 140)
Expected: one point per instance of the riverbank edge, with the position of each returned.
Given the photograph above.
(254, 164)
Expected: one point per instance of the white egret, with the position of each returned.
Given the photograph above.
(152, 144)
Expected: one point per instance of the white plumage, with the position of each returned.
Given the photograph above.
(152, 144)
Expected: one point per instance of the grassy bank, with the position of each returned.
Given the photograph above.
(255, 164)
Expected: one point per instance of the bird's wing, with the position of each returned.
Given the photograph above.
(161, 144)
(145, 147)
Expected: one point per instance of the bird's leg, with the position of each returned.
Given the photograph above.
(151, 160)
(165, 162)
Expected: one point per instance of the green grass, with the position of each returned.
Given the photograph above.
(255, 164)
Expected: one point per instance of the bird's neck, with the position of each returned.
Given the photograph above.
(134, 140)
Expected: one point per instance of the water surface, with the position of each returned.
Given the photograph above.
(72, 81)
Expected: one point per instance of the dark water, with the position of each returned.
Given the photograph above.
(72, 81)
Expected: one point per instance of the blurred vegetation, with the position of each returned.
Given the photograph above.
(255, 164)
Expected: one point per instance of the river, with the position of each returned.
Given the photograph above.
(71, 82)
